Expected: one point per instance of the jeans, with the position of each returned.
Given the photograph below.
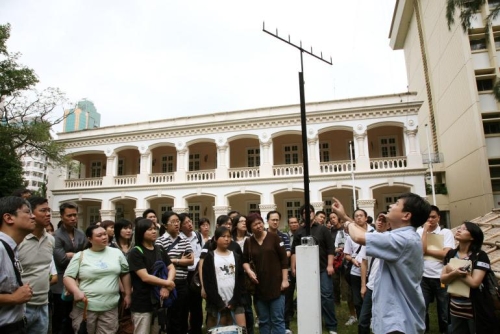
(37, 318)
(327, 301)
(271, 315)
(431, 288)
(356, 293)
(289, 305)
(365, 316)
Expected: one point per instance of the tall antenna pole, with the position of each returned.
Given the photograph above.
(303, 120)
(351, 154)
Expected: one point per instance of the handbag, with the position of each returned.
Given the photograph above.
(83, 325)
(125, 323)
(249, 284)
(66, 295)
(231, 329)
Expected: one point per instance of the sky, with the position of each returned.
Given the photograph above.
(144, 60)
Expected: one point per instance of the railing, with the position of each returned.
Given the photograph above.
(125, 180)
(244, 173)
(288, 170)
(336, 167)
(201, 175)
(161, 178)
(83, 183)
(388, 163)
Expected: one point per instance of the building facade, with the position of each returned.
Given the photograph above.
(83, 116)
(453, 73)
(35, 171)
(245, 160)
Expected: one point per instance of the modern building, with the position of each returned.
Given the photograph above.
(454, 73)
(246, 160)
(35, 171)
(84, 116)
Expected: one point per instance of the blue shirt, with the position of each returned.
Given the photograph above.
(398, 303)
(8, 283)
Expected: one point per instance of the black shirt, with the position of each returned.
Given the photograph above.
(141, 292)
(323, 239)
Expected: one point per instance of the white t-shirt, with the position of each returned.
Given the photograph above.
(432, 269)
(354, 250)
(373, 266)
(225, 272)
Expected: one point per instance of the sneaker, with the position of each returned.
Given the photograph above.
(332, 332)
(288, 331)
(351, 321)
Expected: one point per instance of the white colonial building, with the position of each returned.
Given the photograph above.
(245, 160)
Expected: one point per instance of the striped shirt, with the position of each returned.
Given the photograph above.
(182, 247)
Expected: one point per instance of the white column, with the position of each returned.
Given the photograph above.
(413, 157)
(368, 205)
(220, 210)
(108, 180)
(318, 206)
(143, 177)
(222, 162)
(361, 147)
(180, 173)
(107, 214)
(266, 161)
(313, 153)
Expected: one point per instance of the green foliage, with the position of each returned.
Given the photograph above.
(14, 77)
(439, 188)
(11, 172)
(466, 8)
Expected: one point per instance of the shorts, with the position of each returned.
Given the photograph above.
(212, 310)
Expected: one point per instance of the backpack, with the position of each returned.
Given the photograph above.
(492, 288)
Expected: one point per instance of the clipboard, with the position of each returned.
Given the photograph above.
(434, 242)
(457, 287)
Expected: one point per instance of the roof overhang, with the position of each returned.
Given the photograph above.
(401, 18)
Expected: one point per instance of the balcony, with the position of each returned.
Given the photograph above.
(158, 178)
(244, 173)
(241, 173)
(201, 175)
(388, 163)
(333, 167)
(83, 183)
(288, 170)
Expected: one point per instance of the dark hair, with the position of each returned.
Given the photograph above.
(148, 211)
(51, 225)
(219, 232)
(107, 223)
(222, 219)
(358, 209)
(251, 218)
(203, 221)
(10, 204)
(477, 237)
(436, 209)
(36, 201)
(303, 208)
(141, 227)
(232, 211)
(381, 213)
(369, 220)
(182, 217)
(417, 206)
(89, 232)
(234, 229)
(320, 212)
(20, 192)
(293, 218)
(119, 226)
(271, 213)
(67, 205)
(166, 216)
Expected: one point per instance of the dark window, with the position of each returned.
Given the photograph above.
(491, 127)
(478, 44)
(484, 84)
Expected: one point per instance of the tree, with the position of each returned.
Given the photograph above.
(467, 9)
(26, 115)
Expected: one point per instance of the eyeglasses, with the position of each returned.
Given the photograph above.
(44, 210)
(174, 221)
(18, 266)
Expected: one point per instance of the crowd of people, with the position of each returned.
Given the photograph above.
(388, 271)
